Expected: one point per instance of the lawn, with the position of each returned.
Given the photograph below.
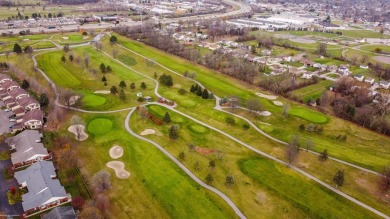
(317, 202)
(312, 91)
(93, 100)
(364, 34)
(308, 115)
(308, 33)
(372, 48)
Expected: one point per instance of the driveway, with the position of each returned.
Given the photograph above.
(4, 122)
(5, 208)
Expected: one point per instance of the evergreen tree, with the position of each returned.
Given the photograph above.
(17, 49)
(167, 118)
(192, 88)
(113, 90)
(229, 180)
(113, 39)
(71, 58)
(143, 85)
(25, 84)
(182, 156)
(43, 100)
(324, 155)
(199, 91)
(103, 68)
(104, 79)
(205, 94)
(211, 96)
(108, 69)
(122, 84)
(212, 164)
(339, 178)
(209, 179)
(63, 59)
(132, 86)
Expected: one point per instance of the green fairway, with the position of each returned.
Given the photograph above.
(318, 202)
(127, 60)
(364, 34)
(99, 126)
(198, 129)
(93, 100)
(308, 115)
(309, 33)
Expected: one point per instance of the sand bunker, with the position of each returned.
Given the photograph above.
(205, 151)
(303, 40)
(73, 100)
(79, 132)
(383, 59)
(85, 37)
(265, 113)
(270, 97)
(116, 152)
(102, 92)
(65, 38)
(278, 103)
(119, 168)
(148, 132)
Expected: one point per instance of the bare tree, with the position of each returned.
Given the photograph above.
(79, 125)
(86, 61)
(254, 105)
(114, 53)
(383, 104)
(321, 49)
(384, 180)
(101, 181)
(292, 150)
(99, 45)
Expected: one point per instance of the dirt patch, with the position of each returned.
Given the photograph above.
(119, 168)
(269, 97)
(116, 152)
(261, 197)
(178, 86)
(204, 151)
(278, 103)
(102, 92)
(303, 40)
(79, 132)
(383, 59)
(148, 132)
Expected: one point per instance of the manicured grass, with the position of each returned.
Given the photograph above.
(127, 60)
(99, 126)
(198, 129)
(308, 115)
(93, 100)
(308, 33)
(362, 153)
(372, 48)
(318, 202)
(157, 188)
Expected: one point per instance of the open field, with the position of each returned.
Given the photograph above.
(364, 34)
(372, 48)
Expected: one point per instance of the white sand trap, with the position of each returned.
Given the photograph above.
(65, 38)
(303, 40)
(383, 59)
(73, 100)
(119, 168)
(116, 152)
(265, 113)
(102, 92)
(278, 103)
(270, 97)
(78, 128)
(148, 132)
(86, 37)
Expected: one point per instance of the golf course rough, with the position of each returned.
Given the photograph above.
(308, 115)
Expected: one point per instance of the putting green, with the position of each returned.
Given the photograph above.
(308, 115)
(93, 100)
(99, 126)
(198, 129)
(187, 103)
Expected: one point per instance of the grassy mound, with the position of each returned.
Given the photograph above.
(93, 100)
(308, 115)
(99, 126)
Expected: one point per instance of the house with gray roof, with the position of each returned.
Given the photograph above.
(27, 148)
(9, 85)
(33, 119)
(4, 78)
(65, 212)
(44, 190)
(29, 103)
(18, 93)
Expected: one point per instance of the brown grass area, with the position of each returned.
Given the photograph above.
(204, 151)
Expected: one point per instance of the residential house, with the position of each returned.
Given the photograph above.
(63, 212)
(44, 190)
(9, 85)
(307, 62)
(359, 77)
(307, 75)
(4, 78)
(28, 103)
(266, 52)
(27, 148)
(332, 68)
(369, 80)
(33, 119)
(18, 93)
(384, 84)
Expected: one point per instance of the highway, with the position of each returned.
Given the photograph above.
(243, 9)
